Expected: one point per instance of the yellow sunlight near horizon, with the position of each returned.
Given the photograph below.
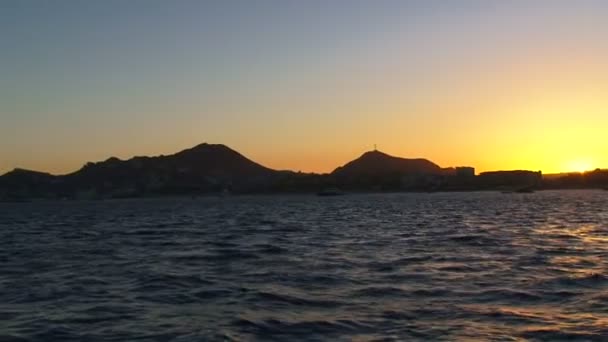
(579, 165)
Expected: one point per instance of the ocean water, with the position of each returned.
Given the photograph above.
(443, 266)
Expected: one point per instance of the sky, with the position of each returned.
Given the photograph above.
(306, 85)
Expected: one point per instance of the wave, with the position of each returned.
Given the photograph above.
(507, 295)
(591, 280)
(368, 267)
(559, 334)
(275, 297)
(283, 329)
(380, 291)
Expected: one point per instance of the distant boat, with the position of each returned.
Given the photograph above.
(525, 190)
(330, 192)
(521, 190)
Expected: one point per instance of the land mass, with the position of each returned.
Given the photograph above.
(215, 168)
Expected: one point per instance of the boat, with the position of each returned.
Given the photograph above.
(330, 192)
(521, 190)
(525, 190)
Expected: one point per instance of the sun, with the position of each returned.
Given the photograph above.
(579, 166)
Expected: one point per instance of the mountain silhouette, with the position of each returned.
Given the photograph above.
(203, 168)
(23, 176)
(218, 160)
(20, 183)
(203, 162)
(216, 168)
(376, 163)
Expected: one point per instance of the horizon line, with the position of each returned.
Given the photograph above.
(17, 168)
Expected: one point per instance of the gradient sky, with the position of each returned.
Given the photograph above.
(306, 85)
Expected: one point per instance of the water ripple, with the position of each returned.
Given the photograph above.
(378, 267)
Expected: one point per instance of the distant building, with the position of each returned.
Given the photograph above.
(510, 178)
(465, 171)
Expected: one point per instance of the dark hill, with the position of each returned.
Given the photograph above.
(23, 174)
(209, 168)
(19, 183)
(201, 169)
(376, 171)
(19, 178)
(376, 163)
(218, 161)
(204, 168)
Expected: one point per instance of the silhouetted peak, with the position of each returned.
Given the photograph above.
(378, 155)
(217, 159)
(20, 171)
(209, 148)
(17, 170)
(24, 173)
(376, 162)
(375, 154)
(113, 160)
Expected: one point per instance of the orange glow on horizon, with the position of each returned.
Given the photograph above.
(581, 165)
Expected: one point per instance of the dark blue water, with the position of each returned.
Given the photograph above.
(460, 266)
